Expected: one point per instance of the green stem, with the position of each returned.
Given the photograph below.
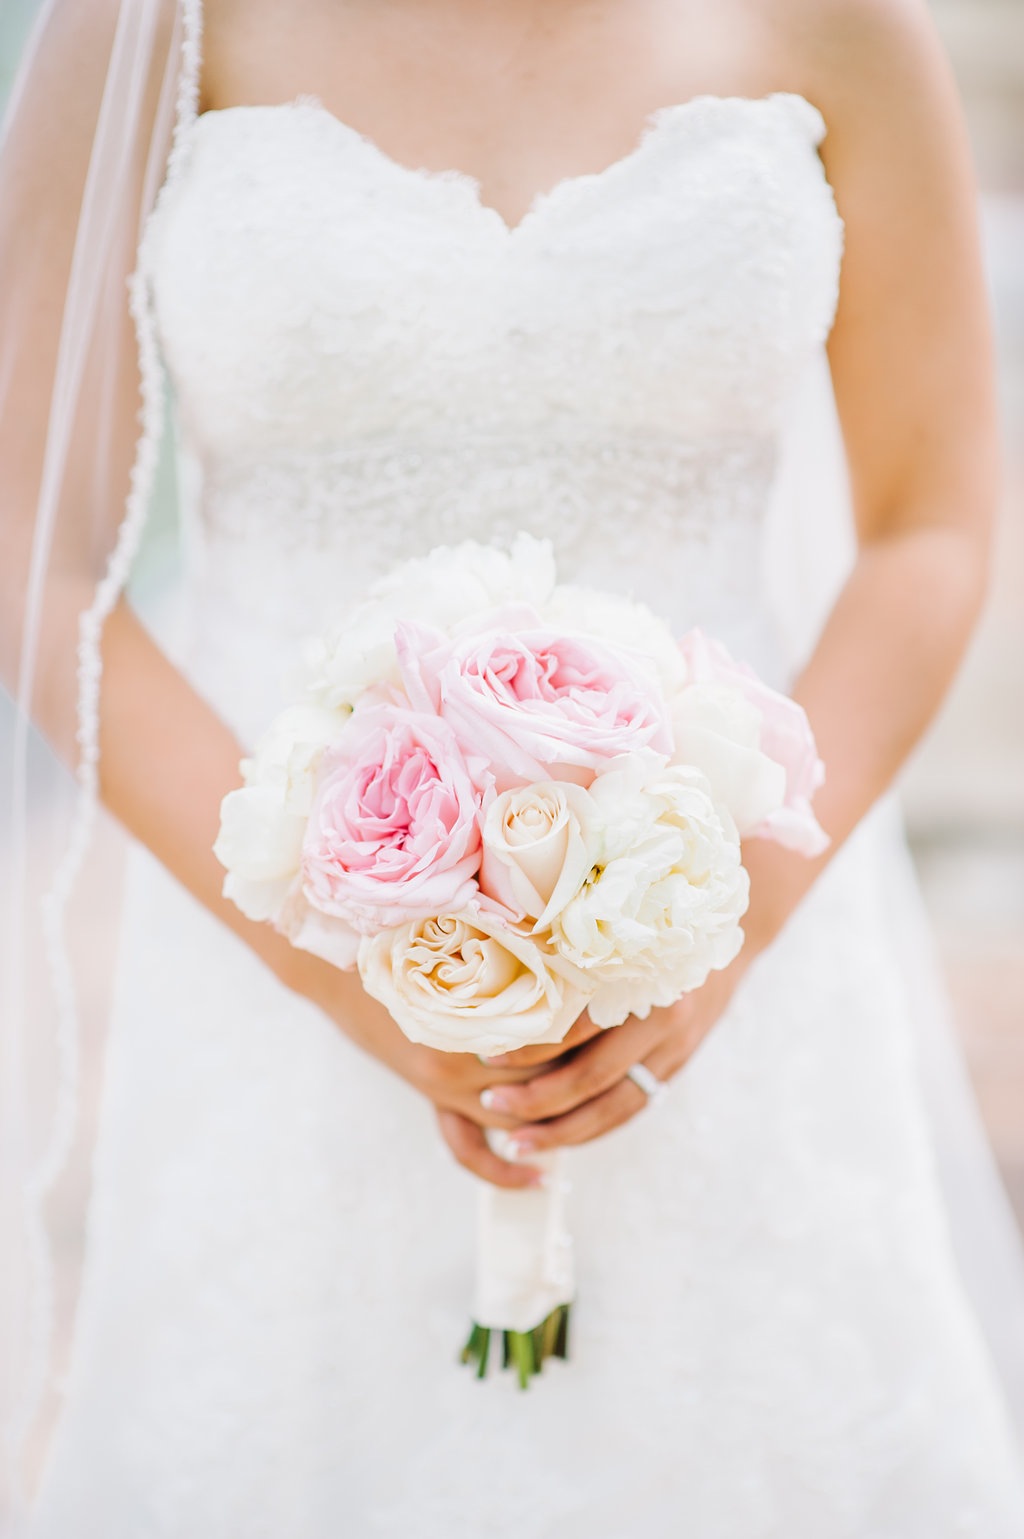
(522, 1357)
(525, 1351)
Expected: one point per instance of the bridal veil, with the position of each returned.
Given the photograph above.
(99, 105)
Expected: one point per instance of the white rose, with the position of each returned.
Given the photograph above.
(717, 730)
(662, 908)
(539, 844)
(624, 623)
(451, 585)
(454, 582)
(323, 935)
(467, 983)
(288, 754)
(261, 844)
(259, 839)
(355, 656)
(263, 822)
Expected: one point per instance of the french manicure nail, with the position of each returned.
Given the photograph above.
(492, 1100)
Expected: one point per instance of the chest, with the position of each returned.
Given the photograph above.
(297, 268)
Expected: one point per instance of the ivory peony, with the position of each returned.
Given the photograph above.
(663, 905)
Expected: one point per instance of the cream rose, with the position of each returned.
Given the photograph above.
(469, 983)
(539, 844)
(323, 935)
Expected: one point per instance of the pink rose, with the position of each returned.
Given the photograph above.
(784, 736)
(538, 704)
(394, 831)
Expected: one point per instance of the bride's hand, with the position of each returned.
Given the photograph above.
(463, 1122)
(586, 1092)
(453, 1082)
(456, 1084)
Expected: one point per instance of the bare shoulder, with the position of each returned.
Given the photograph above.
(873, 29)
(867, 62)
(911, 348)
(896, 147)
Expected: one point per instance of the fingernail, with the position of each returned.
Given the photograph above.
(541, 1178)
(493, 1100)
(519, 1146)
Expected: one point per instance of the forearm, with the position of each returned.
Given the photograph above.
(884, 661)
(166, 761)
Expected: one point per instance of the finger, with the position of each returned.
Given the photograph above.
(617, 1105)
(475, 1109)
(455, 1080)
(470, 1147)
(591, 1070)
(592, 1119)
(528, 1057)
(453, 1086)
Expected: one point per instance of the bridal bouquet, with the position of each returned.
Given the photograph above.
(506, 800)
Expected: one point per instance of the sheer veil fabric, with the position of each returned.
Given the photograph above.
(79, 360)
(103, 95)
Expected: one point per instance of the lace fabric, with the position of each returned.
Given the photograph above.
(579, 313)
(464, 380)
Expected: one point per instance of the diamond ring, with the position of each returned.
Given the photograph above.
(652, 1087)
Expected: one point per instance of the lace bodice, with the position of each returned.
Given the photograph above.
(368, 360)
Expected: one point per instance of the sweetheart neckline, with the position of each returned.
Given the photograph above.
(470, 185)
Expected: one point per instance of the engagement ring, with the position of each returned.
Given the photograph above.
(652, 1087)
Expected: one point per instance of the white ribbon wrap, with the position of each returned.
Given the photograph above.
(524, 1249)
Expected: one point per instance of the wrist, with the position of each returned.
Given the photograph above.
(340, 996)
(300, 971)
(779, 880)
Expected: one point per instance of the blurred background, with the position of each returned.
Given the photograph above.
(964, 791)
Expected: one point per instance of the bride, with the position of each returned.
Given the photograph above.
(418, 272)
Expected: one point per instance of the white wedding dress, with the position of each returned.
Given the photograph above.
(771, 1336)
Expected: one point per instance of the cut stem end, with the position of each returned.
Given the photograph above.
(524, 1351)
